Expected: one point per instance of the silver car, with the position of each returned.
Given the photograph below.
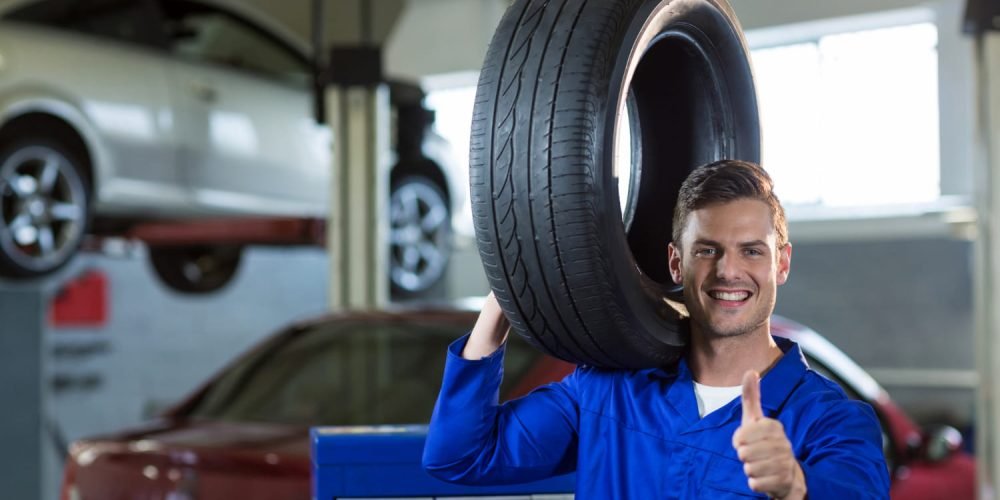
(117, 112)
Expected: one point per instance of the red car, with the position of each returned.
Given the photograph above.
(244, 434)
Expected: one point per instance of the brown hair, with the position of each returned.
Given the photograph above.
(723, 181)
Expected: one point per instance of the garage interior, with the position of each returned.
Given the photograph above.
(900, 277)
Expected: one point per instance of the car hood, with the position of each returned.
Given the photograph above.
(194, 459)
(203, 444)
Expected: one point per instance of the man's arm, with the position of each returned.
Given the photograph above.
(843, 457)
(473, 439)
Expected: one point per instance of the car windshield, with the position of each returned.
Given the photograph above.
(359, 372)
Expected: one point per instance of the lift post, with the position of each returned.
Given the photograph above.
(358, 112)
(982, 19)
(22, 334)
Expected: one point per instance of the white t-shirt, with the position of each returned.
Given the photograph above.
(712, 398)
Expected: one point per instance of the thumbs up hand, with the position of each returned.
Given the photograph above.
(764, 449)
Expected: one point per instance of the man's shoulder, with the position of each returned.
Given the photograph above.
(820, 386)
(823, 398)
(594, 377)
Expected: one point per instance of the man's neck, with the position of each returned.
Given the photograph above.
(722, 361)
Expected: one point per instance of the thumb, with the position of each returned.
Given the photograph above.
(751, 397)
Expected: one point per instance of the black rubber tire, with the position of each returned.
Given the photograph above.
(425, 279)
(195, 269)
(69, 187)
(573, 278)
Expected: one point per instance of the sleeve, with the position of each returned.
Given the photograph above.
(474, 440)
(844, 458)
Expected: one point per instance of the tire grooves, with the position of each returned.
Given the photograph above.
(620, 16)
(562, 268)
(565, 334)
(493, 194)
(550, 206)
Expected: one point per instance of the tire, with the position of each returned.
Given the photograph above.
(195, 269)
(44, 206)
(419, 236)
(579, 267)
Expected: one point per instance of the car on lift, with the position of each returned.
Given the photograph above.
(115, 113)
(245, 433)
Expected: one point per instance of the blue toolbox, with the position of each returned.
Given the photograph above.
(384, 462)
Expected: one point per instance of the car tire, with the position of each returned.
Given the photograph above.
(573, 223)
(195, 269)
(419, 236)
(45, 204)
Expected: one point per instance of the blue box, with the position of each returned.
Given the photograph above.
(384, 461)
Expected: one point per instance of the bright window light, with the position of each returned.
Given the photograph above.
(453, 117)
(851, 120)
(453, 120)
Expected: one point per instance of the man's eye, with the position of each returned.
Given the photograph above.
(753, 252)
(704, 252)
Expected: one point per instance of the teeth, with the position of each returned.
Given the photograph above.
(731, 295)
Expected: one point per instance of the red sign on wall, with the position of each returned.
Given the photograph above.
(81, 303)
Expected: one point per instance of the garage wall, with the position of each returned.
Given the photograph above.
(902, 308)
(157, 345)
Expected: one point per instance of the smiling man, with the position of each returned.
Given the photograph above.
(706, 427)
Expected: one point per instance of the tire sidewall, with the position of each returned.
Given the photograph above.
(638, 296)
(167, 264)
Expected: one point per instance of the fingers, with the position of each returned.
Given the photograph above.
(781, 467)
(758, 430)
(751, 397)
(770, 467)
(771, 484)
(763, 450)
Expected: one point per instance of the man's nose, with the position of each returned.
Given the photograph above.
(727, 268)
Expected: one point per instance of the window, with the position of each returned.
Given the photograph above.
(851, 119)
(346, 373)
(452, 107)
(202, 33)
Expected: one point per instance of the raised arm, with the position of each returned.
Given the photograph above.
(475, 440)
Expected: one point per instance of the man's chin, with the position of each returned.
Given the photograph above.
(732, 329)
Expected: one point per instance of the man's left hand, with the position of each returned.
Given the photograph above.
(764, 449)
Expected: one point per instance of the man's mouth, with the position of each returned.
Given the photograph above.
(729, 296)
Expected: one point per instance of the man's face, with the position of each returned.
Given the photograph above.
(730, 266)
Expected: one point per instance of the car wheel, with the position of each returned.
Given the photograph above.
(588, 117)
(195, 269)
(419, 235)
(44, 207)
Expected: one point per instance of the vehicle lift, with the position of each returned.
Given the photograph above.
(355, 98)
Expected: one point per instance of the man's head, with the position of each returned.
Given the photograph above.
(728, 180)
(730, 247)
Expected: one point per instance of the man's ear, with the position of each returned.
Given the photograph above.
(674, 263)
(784, 263)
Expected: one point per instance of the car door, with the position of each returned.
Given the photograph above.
(106, 58)
(248, 141)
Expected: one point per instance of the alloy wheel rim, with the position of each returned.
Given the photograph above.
(42, 208)
(418, 236)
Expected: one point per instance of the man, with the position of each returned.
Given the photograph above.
(707, 427)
